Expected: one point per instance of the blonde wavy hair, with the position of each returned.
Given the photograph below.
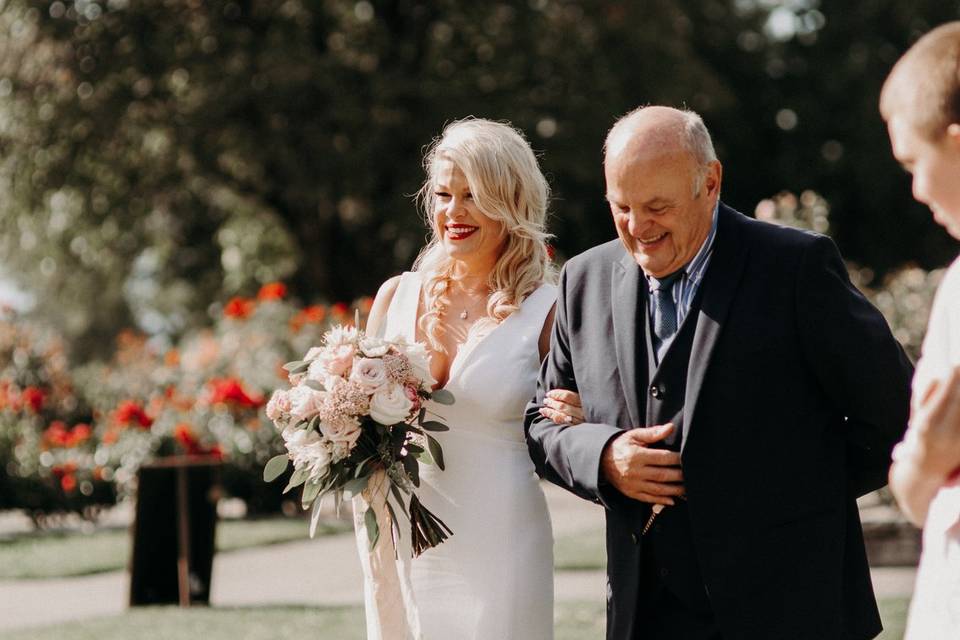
(507, 187)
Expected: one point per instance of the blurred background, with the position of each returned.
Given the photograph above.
(190, 192)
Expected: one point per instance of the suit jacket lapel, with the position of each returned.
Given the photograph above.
(717, 291)
(625, 309)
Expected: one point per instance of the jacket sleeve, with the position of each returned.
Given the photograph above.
(567, 455)
(861, 367)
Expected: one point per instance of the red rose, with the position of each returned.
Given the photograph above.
(230, 391)
(272, 291)
(80, 433)
(33, 397)
(68, 482)
(239, 308)
(130, 413)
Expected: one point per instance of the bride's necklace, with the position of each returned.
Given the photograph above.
(470, 307)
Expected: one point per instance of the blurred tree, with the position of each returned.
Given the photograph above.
(155, 156)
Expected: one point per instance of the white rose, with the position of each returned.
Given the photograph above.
(305, 402)
(390, 405)
(374, 347)
(370, 374)
(279, 405)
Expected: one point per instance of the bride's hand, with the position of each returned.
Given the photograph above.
(563, 407)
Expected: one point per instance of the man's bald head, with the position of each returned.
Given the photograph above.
(655, 130)
(924, 86)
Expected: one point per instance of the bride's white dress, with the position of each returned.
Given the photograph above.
(493, 579)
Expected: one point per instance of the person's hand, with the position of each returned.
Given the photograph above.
(640, 472)
(935, 446)
(562, 407)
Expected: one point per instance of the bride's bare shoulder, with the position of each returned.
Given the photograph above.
(378, 312)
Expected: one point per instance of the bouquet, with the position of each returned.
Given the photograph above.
(355, 409)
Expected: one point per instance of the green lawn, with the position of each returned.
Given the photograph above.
(574, 621)
(64, 554)
(583, 551)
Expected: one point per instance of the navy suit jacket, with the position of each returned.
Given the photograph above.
(796, 394)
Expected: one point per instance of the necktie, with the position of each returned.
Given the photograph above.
(664, 312)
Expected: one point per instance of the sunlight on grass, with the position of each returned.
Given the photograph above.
(64, 554)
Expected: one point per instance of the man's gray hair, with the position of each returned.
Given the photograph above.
(696, 140)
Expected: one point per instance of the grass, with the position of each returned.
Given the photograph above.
(583, 551)
(67, 554)
(573, 621)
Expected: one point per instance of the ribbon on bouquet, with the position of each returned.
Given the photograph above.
(391, 609)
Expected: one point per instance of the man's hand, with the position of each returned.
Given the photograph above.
(640, 472)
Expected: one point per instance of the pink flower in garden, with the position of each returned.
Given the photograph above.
(272, 291)
(239, 308)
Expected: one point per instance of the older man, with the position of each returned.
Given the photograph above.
(739, 395)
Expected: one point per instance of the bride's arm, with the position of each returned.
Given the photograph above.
(378, 312)
(563, 406)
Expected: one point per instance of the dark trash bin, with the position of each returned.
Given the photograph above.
(174, 532)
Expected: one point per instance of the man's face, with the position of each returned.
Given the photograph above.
(659, 219)
(935, 167)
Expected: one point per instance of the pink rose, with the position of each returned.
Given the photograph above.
(412, 395)
(305, 402)
(345, 429)
(279, 404)
(370, 374)
(336, 360)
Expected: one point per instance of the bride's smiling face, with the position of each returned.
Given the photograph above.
(466, 234)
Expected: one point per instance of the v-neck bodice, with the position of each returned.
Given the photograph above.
(493, 375)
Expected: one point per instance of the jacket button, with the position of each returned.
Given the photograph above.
(664, 573)
(655, 391)
(636, 540)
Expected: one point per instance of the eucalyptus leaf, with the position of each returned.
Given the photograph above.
(297, 366)
(310, 493)
(313, 384)
(298, 478)
(355, 486)
(275, 467)
(442, 396)
(413, 470)
(433, 425)
(373, 529)
(435, 450)
(426, 458)
(315, 517)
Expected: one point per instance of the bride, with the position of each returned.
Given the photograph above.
(481, 296)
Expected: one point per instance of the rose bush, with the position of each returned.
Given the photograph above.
(73, 439)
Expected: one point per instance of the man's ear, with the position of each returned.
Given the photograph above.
(714, 177)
